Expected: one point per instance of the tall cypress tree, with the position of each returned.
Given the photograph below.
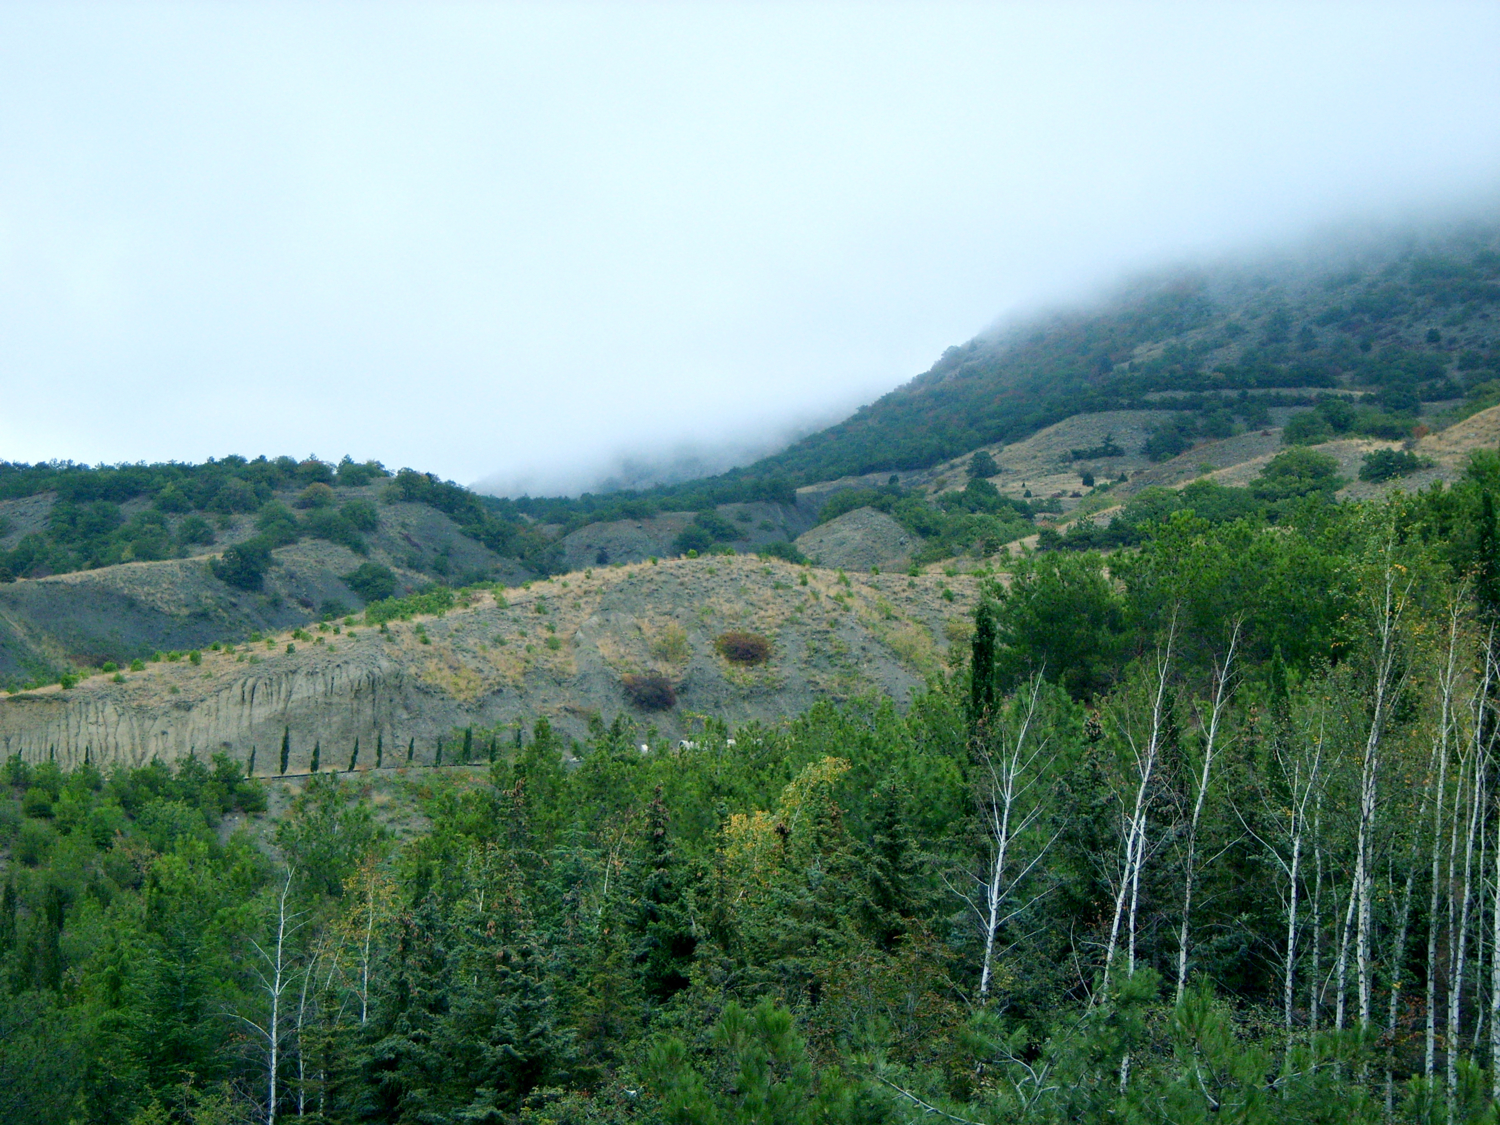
(7, 919)
(317, 753)
(48, 959)
(379, 749)
(468, 744)
(411, 751)
(982, 666)
(354, 757)
(286, 748)
(250, 765)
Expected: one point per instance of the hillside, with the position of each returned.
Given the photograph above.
(1407, 324)
(558, 649)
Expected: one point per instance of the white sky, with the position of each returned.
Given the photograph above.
(513, 241)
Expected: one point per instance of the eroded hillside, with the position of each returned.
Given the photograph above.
(558, 649)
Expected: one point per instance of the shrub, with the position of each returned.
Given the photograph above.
(785, 550)
(360, 515)
(277, 524)
(195, 529)
(37, 803)
(315, 495)
(743, 648)
(137, 665)
(195, 656)
(110, 666)
(982, 465)
(372, 581)
(244, 565)
(649, 691)
(1387, 464)
(34, 842)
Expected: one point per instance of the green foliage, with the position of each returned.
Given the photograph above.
(433, 600)
(1295, 475)
(372, 582)
(785, 550)
(1059, 618)
(244, 565)
(1388, 464)
(982, 464)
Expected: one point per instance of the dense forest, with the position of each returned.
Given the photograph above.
(1205, 829)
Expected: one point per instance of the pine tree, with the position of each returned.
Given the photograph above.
(250, 765)
(286, 748)
(379, 750)
(468, 744)
(317, 754)
(354, 757)
(411, 751)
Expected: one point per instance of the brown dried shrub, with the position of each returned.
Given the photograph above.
(649, 691)
(744, 648)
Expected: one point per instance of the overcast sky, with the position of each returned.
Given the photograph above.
(513, 241)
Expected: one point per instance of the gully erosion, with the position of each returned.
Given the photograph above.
(333, 704)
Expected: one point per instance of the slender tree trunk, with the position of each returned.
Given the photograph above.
(1205, 774)
(1135, 827)
(1314, 990)
(1006, 785)
(274, 979)
(1340, 1010)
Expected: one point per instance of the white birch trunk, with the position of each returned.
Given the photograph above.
(1205, 774)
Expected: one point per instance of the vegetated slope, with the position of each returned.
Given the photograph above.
(53, 624)
(1410, 325)
(61, 517)
(562, 649)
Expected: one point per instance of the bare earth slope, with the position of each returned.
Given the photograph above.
(557, 650)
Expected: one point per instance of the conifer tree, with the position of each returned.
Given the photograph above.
(286, 748)
(354, 757)
(982, 666)
(379, 749)
(316, 755)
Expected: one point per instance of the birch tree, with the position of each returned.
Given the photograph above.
(1221, 691)
(1014, 760)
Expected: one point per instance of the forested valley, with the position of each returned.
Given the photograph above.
(1202, 829)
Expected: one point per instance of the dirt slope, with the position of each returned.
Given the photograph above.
(558, 649)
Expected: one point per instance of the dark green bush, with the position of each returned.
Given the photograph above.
(783, 549)
(1388, 464)
(372, 581)
(244, 565)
